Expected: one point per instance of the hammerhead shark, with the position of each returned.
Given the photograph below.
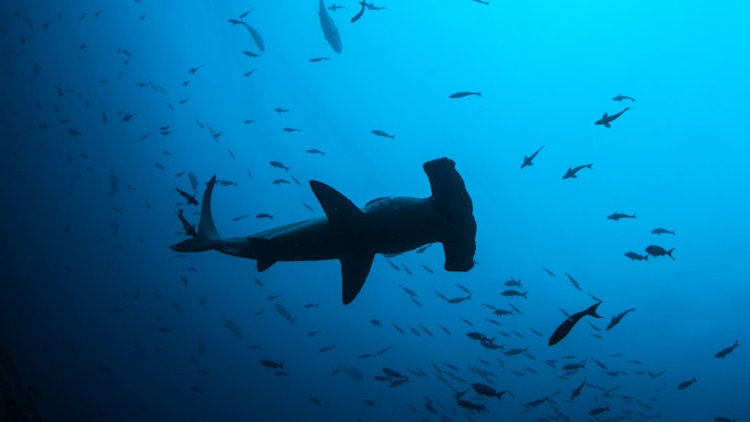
(353, 235)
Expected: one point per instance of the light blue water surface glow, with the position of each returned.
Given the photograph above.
(89, 279)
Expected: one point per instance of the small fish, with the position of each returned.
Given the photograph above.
(462, 94)
(571, 173)
(279, 182)
(335, 7)
(281, 110)
(511, 293)
(571, 321)
(319, 59)
(573, 281)
(291, 130)
(279, 165)
(657, 251)
(424, 248)
(188, 197)
(528, 161)
(360, 13)
(326, 348)
(382, 134)
(284, 313)
(267, 363)
(264, 215)
(660, 231)
(192, 70)
(685, 384)
(240, 217)
(724, 352)
(598, 411)
(636, 256)
(315, 151)
(250, 53)
(551, 274)
(617, 216)
(621, 97)
(617, 318)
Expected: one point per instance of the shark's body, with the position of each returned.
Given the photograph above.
(607, 119)
(353, 235)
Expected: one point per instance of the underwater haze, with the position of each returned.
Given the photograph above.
(610, 279)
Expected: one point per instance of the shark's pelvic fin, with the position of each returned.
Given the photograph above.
(338, 208)
(261, 248)
(354, 270)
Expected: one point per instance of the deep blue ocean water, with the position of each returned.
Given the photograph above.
(105, 322)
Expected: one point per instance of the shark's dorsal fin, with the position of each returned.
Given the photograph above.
(338, 208)
(354, 270)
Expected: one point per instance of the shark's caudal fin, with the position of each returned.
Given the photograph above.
(207, 234)
(452, 200)
(341, 214)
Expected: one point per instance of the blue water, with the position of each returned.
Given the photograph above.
(108, 323)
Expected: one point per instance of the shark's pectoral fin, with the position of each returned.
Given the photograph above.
(260, 249)
(606, 124)
(354, 270)
(338, 208)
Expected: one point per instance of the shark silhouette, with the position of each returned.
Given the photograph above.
(354, 235)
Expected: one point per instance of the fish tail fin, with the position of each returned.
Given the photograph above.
(669, 252)
(208, 236)
(736, 343)
(592, 310)
(479, 93)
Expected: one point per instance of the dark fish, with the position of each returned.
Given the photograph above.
(598, 411)
(487, 391)
(279, 182)
(424, 248)
(636, 256)
(267, 363)
(279, 165)
(330, 32)
(660, 230)
(551, 274)
(616, 216)
(192, 70)
(232, 327)
(256, 36)
(528, 161)
(685, 384)
(571, 173)
(240, 217)
(462, 94)
(724, 352)
(513, 282)
(281, 110)
(264, 215)
(573, 281)
(335, 7)
(291, 129)
(284, 312)
(250, 53)
(315, 151)
(656, 251)
(621, 97)
(607, 119)
(577, 391)
(571, 321)
(382, 134)
(511, 292)
(371, 6)
(360, 13)
(617, 318)
(326, 348)
(188, 197)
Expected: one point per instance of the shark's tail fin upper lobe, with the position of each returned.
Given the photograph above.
(207, 233)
